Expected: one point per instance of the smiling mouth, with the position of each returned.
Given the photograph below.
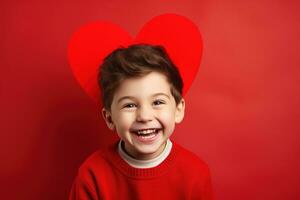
(147, 132)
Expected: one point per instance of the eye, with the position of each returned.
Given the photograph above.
(130, 105)
(158, 102)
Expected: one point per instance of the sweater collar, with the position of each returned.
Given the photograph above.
(118, 162)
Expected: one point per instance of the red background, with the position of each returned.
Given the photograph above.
(242, 110)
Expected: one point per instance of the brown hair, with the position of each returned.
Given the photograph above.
(136, 61)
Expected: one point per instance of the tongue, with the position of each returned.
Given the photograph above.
(147, 138)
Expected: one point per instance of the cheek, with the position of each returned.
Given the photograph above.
(124, 121)
(167, 117)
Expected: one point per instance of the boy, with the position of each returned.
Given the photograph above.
(142, 99)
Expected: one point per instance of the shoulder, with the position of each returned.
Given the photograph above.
(96, 163)
(89, 176)
(190, 161)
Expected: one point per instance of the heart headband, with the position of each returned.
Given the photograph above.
(91, 43)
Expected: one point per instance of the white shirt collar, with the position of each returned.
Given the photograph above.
(145, 163)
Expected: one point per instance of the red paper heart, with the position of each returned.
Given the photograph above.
(92, 42)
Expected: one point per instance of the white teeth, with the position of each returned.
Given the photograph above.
(148, 131)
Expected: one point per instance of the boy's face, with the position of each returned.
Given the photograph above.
(144, 113)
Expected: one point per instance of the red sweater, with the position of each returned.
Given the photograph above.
(105, 175)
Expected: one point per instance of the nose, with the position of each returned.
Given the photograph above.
(144, 114)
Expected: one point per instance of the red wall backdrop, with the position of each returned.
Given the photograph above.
(242, 110)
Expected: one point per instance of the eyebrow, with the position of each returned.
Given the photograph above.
(131, 97)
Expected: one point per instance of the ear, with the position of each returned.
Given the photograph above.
(108, 119)
(179, 113)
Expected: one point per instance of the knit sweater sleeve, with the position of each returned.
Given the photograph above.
(82, 188)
